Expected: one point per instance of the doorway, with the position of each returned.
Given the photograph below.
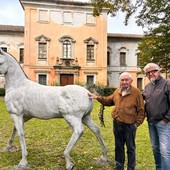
(66, 79)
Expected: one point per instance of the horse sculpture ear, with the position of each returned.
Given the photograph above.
(1, 51)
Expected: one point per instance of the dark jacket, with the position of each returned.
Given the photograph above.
(129, 109)
(157, 100)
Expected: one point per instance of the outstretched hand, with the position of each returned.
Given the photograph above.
(92, 96)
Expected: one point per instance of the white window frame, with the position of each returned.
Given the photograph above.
(94, 75)
(72, 42)
(91, 41)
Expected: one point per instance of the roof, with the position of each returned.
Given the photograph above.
(11, 28)
(119, 35)
(57, 2)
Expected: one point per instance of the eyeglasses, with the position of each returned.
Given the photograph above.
(151, 72)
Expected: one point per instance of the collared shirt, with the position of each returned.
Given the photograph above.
(124, 91)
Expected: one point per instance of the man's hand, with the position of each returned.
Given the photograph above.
(92, 96)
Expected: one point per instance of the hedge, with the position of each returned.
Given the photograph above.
(2, 92)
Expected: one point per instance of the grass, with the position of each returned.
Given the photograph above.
(46, 141)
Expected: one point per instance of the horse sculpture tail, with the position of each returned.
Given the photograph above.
(101, 111)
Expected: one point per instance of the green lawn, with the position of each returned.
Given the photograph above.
(46, 141)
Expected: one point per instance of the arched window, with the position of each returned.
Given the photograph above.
(67, 47)
(122, 54)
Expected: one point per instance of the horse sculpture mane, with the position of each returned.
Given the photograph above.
(26, 99)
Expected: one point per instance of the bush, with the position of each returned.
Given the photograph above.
(108, 91)
(101, 90)
(2, 92)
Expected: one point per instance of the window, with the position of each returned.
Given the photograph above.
(91, 45)
(108, 58)
(90, 79)
(42, 79)
(42, 43)
(139, 83)
(122, 59)
(67, 44)
(42, 51)
(4, 49)
(67, 49)
(21, 55)
(43, 15)
(109, 51)
(90, 52)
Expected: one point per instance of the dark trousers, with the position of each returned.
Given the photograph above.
(124, 134)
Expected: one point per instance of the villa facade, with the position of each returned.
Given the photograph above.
(63, 43)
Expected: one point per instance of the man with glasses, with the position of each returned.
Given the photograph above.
(157, 107)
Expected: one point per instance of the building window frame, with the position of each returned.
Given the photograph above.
(109, 51)
(90, 52)
(42, 47)
(90, 19)
(140, 83)
(43, 16)
(21, 55)
(90, 79)
(67, 17)
(42, 79)
(42, 51)
(4, 46)
(42, 73)
(91, 49)
(123, 56)
(67, 46)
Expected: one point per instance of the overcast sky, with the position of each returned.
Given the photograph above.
(11, 13)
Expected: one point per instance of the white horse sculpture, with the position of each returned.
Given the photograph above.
(26, 99)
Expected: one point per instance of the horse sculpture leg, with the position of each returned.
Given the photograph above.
(95, 129)
(77, 127)
(11, 140)
(19, 125)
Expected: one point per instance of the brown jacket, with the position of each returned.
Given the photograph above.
(129, 109)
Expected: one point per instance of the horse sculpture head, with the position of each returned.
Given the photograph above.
(3, 62)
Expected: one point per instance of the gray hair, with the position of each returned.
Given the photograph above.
(126, 74)
(151, 65)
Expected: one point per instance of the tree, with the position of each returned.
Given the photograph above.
(151, 14)
(155, 47)
(148, 12)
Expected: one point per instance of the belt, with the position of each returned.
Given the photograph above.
(121, 123)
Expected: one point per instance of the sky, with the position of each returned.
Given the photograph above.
(11, 13)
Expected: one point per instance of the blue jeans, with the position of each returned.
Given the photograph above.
(125, 134)
(160, 140)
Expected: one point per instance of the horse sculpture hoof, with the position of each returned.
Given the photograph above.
(103, 160)
(70, 167)
(23, 167)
